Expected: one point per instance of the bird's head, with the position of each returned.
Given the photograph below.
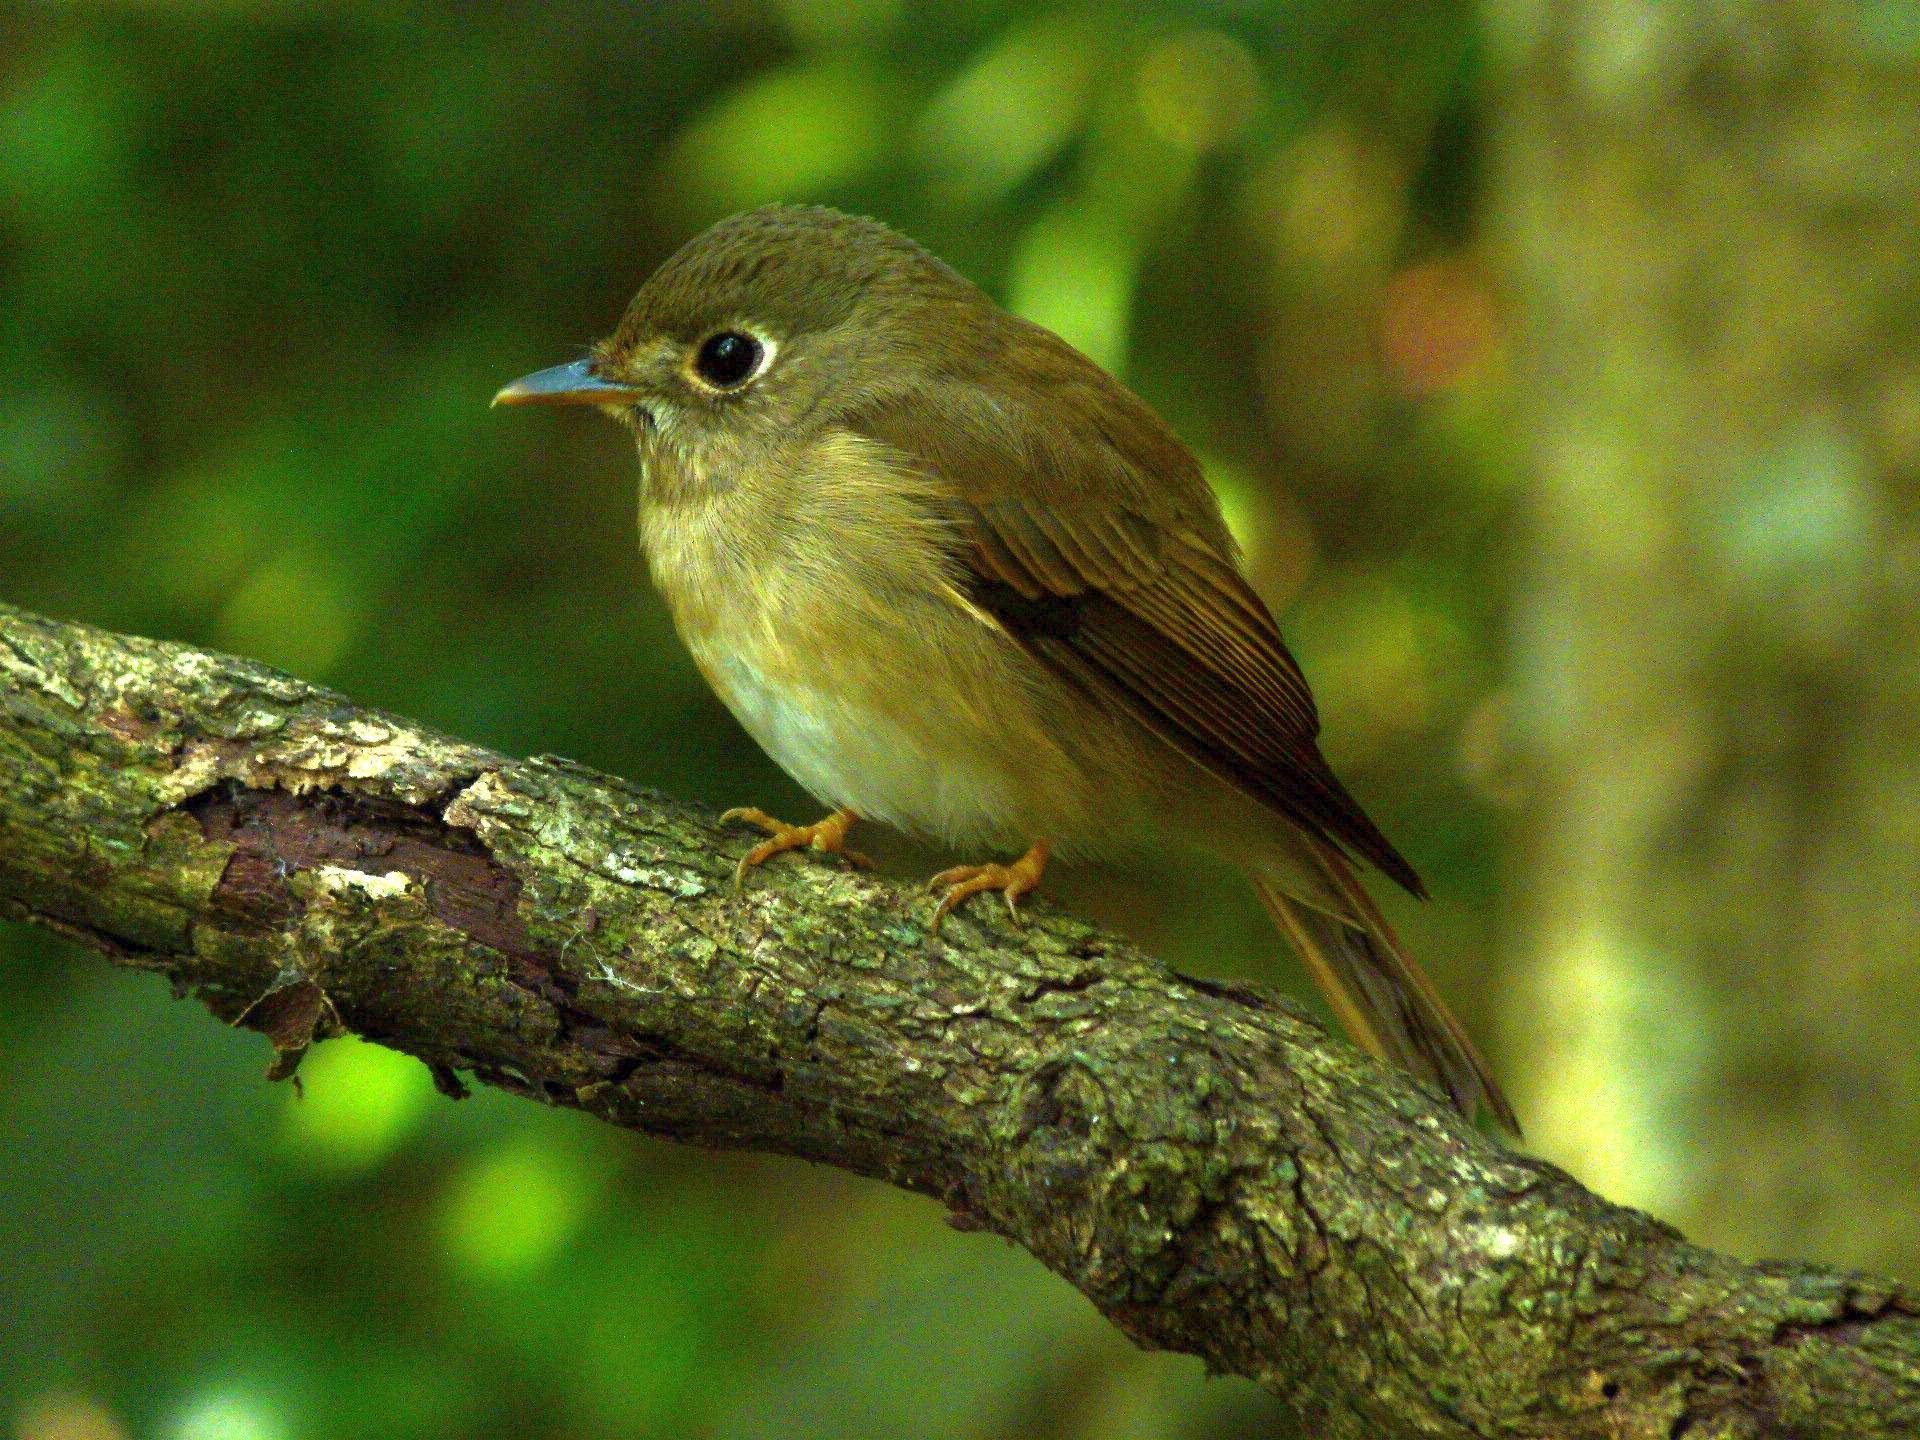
(762, 330)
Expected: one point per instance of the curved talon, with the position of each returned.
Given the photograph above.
(828, 834)
(1022, 877)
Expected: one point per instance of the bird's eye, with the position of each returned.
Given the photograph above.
(727, 359)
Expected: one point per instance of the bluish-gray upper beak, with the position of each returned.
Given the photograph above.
(575, 383)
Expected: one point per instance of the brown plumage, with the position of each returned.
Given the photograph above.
(955, 577)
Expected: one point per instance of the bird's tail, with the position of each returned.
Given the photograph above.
(1385, 1001)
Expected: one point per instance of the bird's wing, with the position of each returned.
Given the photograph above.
(1092, 539)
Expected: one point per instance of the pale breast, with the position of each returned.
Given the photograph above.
(828, 624)
(873, 759)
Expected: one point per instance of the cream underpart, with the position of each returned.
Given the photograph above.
(819, 610)
(861, 758)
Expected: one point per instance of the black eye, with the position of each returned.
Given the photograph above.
(727, 359)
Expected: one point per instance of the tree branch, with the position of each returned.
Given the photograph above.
(1200, 1160)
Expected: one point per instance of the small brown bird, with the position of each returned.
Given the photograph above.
(954, 577)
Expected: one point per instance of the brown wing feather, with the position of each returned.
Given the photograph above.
(1238, 732)
(1098, 545)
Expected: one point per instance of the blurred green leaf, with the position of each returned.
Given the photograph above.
(792, 134)
(1011, 110)
(1074, 272)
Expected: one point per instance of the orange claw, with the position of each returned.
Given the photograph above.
(829, 834)
(1020, 878)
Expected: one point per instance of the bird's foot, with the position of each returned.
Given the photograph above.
(829, 834)
(1020, 878)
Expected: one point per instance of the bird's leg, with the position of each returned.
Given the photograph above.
(1012, 881)
(828, 834)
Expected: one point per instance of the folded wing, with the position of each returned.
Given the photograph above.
(1093, 540)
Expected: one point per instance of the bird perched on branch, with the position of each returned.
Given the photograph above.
(956, 578)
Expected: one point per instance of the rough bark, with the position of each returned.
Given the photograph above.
(1202, 1162)
(1711, 214)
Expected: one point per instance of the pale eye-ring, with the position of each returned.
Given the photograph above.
(729, 359)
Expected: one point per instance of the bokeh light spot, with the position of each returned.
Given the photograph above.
(1240, 503)
(1378, 662)
(293, 611)
(1337, 207)
(1437, 326)
(63, 1415)
(513, 1210)
(1802, 510)
(356, 1104)
(1198, 90)
(225, 1412)
(1629, 1035)
(1074, 273)
(792, 134)
(1009, 112)
(1489, 753)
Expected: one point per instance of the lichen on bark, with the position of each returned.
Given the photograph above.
(1204, 1163)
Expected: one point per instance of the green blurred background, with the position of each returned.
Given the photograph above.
(262, 265)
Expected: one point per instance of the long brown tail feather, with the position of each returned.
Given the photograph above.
(1382, 998)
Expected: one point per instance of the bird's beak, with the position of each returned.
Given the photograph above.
(572, 384)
